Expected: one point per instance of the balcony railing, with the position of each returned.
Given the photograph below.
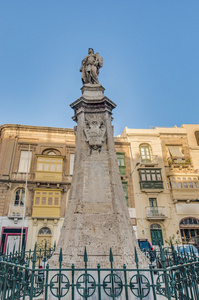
(15, 211)
(151, 160)
(151, 185)
(22, 176)
(179, 160)
(157, 212)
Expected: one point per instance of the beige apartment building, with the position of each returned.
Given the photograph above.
(43, 158)
(154, 212)
(45, 155)
(159, 170)
(165, 165)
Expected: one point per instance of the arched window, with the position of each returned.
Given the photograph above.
(19, 197)
(44, 238)
(44, 231)
(189, 228)
(156, 234)
(51, 152)
(145, 153)
(197, 137)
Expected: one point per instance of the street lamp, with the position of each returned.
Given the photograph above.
(137, 164)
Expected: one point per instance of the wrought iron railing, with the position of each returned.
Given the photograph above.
(179, 160)
(180, 280)
(23, 257)
(150, 160)
(157, 212)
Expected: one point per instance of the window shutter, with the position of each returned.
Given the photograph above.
(175, 151)
(24, 163)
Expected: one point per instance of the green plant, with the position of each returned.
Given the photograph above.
(175, 240)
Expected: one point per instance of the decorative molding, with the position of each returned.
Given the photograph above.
(95, 132)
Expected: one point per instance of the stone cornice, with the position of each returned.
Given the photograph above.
(5, 127)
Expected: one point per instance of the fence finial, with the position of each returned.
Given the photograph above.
(60, 257)
(85, 255)
(111, 256)
(136, 257)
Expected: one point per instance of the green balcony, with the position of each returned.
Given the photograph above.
(151, 185)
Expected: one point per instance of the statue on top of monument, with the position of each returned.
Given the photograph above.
(90, 67)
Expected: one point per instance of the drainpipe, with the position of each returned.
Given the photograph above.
(24, 208)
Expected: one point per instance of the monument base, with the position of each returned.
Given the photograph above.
(97, 216)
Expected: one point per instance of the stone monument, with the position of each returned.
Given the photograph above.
(97, 216)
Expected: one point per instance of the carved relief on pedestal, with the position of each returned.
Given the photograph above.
(95, 132)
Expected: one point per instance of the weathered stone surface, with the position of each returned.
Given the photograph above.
(97, 215)
(90, 67)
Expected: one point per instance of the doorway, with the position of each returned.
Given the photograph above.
(156, 234)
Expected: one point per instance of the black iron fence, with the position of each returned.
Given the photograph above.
(172, 274)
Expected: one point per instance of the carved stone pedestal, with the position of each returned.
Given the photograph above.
(97, 215)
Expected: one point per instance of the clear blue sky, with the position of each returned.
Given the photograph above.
(150, 50)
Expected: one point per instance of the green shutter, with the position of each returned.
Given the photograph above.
(121, 163)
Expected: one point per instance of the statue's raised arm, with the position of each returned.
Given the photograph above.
(90, 67)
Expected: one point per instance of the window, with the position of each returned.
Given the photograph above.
(150, 175)
(72, 158)
(121, 163)
(189, 228)
(179, 185)
(19, 197)
(189, 221)
(47, 198)
(150, 178)
(153, 202)
(24, 162)
(11, 238)
(47, 203)
(176, 156)
(184, 182)
(51, 153)
(124, 185)
(44, 238)
(44, 231)
(175, 151)
(145, 153)
(153, 211)
(49, 163)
